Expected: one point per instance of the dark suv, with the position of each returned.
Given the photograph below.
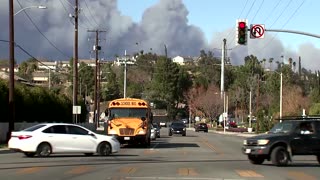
(201, 127)
(293, 136)
(177, 128)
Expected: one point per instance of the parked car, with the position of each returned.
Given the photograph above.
(185, 121)
(291, 137)
(50, 138)
(177, 128)
(201, 127)
(157, 128)
(153, 134)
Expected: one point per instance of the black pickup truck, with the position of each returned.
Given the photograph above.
(288, 138)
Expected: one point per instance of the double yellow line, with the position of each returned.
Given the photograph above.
(213, 148)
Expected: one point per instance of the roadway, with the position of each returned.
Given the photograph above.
(203, 156)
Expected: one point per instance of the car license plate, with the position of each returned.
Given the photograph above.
(248, 151)
(126, 138)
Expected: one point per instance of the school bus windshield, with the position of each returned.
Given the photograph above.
(128, 112)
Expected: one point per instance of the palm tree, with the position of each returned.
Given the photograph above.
(264, 63)
(294, 66)
(270, 62)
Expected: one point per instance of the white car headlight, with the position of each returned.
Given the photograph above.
(263, 141)
(112, 132)
(245, 142)
(184, 129)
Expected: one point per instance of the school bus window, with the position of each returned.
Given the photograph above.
(128, 112)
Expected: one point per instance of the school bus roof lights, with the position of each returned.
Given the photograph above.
(115, 103)
(142, 104)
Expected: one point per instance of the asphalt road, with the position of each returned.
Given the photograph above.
(202, 156)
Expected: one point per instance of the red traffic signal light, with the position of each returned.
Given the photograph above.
(242, 25)
(242, 33)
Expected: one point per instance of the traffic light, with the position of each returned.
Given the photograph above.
(242, 32)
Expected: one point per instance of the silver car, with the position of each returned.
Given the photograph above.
(153, 134)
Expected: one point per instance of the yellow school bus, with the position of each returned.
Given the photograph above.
(130, 120)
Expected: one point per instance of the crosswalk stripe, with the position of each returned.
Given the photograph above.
(128, 170)
(29, 170)
(187, 172)
(79, 170)
(248, 173)
(300, 175)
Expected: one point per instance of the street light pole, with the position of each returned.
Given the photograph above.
(280, 96)
(11, 115)
(125, 75)
(39, 7)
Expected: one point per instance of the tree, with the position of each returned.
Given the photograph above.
(164, 83)
(86, 79)
(206, 102)
(294, 101)
(110, 89)
(26, 68)
(208, 70)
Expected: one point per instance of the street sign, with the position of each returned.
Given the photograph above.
(76, 110)
(257, 31)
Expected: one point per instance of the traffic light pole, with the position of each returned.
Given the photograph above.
(291, 31)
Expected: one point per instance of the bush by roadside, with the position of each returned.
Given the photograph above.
(3, 146)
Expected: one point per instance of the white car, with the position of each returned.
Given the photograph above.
(153, 134)
(49, 138)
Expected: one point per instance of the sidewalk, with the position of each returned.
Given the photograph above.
(243, 134)
(4, 149)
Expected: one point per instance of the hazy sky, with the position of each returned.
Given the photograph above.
(184, 26)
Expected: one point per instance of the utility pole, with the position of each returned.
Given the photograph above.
(223, 57)
(75, 60)
(257, 102)
(165, 51)
(49, 79)
(125, 75)
(96, 105)
(250, 109)
(11, 116)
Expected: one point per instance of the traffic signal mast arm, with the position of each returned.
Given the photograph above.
(292, 31)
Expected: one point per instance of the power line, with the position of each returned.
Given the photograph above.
(245, 5)
(292, 15)
(257, 11)
(273, 9)
(250, 8)
(281, 13)
(245, 18)
(68, 15)
(91, 13)
(41, 32)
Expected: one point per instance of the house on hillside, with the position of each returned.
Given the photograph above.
(182, 60)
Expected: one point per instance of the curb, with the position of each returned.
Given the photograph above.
(5, 151)
(234, 133)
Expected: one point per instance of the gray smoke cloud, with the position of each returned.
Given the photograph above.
(163, 24)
